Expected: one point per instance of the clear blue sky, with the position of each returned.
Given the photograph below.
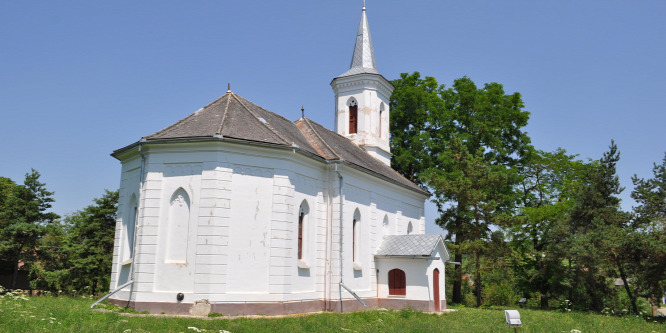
(79, 79)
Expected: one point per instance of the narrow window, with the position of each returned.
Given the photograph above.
(356, 236)
(354, 240)
(130, 231)
(300, 235)
(397, 282)
(386, 225)
(353, 116)
(129, 223)
(410, 228)
(381, 115)
(302, 240)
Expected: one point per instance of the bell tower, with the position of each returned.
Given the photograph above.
(362, 99)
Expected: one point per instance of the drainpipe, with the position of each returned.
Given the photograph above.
(136, 231)
(136, 218)
(341, 229)
(341, 180)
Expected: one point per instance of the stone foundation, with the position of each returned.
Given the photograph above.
(280, 308)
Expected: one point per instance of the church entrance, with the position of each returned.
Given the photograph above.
(435, 289)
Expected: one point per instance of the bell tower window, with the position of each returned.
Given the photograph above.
(353, 116)
(381, 115)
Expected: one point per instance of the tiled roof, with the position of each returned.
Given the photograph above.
(408, 245)
(232, 116)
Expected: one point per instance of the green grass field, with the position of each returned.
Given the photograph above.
(64, 314)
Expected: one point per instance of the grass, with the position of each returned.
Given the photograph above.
(64, 314)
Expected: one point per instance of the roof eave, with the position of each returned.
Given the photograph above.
(388, 256)
(118, 152)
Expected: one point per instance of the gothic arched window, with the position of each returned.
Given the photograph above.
(356, 236)
(302, 228)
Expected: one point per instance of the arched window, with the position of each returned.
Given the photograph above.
(129, 226)
(385, 224)
(410, 228)
(178, 227)
(353, 115)
(302, 228)
(397, 282)
(381, 115)
(356, 236)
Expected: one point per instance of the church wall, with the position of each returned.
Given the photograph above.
(270, 185)
(364, 194)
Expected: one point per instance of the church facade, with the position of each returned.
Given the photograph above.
(237, 210)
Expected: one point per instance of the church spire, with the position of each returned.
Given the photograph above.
(363, 60)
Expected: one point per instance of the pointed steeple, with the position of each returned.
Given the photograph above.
(362, 98)
(363, 60)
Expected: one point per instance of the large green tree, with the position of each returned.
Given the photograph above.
(24, 216)
(427, 118)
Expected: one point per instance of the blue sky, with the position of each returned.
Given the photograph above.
(79, 79)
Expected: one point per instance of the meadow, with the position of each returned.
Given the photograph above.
(21, 313)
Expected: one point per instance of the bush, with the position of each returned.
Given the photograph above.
(499, 294)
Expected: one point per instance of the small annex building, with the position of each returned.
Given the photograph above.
(241, 210)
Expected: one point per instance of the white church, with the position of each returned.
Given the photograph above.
(237, 210)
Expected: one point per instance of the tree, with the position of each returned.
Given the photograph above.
(90, 243)
(426, 118)
(599, 229)
(478, 189)
(24, 218)
(649, 254)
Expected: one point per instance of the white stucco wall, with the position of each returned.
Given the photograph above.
(240, 242)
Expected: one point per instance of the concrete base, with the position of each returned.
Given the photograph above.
(279, 308)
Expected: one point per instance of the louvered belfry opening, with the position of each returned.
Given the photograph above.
(397, 282)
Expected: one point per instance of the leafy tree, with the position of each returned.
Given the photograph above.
(427, 118)
(417, 119)
(24, 217)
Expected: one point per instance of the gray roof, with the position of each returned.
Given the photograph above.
(408, 245)
(363, 60)
(232, 116)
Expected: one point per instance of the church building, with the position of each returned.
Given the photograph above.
(237, 210)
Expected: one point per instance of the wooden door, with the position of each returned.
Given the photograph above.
(435, 289)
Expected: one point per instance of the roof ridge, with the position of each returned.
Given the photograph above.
(307, 121)
(265, 123)
(224, 116)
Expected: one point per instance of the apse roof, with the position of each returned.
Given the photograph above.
(232, 116)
